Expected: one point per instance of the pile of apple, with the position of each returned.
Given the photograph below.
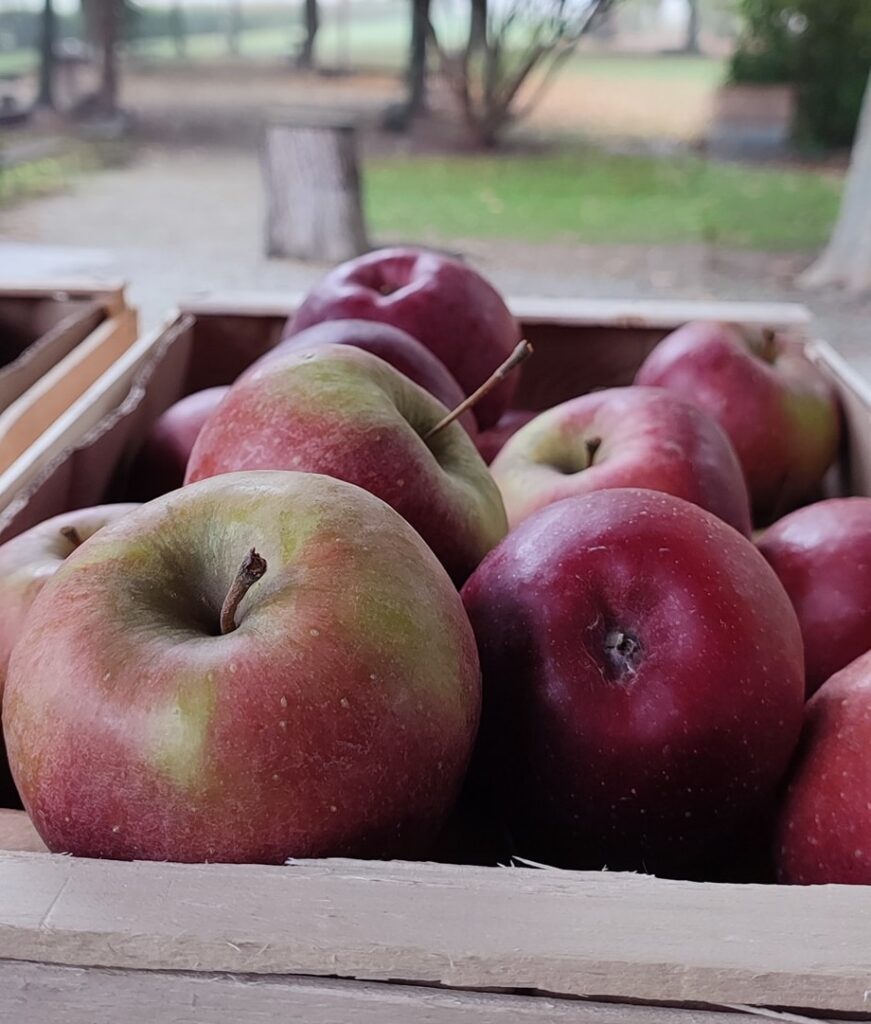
(333, 631)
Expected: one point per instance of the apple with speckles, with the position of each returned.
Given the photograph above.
(622, 437)
(824, 829)
(391, 344)
(27, 562)
(447, 305)
(643, 682)
(255, 667)
(344, 412)
(780, 413)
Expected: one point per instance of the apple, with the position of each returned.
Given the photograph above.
(490, 442)
(643, 681)
(622, 437)
(344, 412)
(316, 697)
(824, 828)
(778, 410)
(160, 465)
(27, 562)
(394, 346)
(822, 556)
(449, 307)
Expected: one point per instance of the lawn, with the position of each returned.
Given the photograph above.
(585, 195)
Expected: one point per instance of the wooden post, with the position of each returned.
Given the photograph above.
(314, 208)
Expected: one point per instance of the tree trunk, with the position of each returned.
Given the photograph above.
(312, 21)
(846, 262)
(691, 45)
(178, 30)
(478, 26)
(234, 27)
(417, 57)
(108, 17)
(47, 41)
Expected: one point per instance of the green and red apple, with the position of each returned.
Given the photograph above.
(178, 695)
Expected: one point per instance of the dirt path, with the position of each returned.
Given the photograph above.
(183, 221)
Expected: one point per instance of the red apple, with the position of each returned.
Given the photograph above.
(27, 562)
(344, 412)
(824, 831)
(822, 555)
(394, 346)
(163, 458)
(449, 307)
(164, 704)
(643, 681)
(491, 442)
(622, 437)
(778, 410)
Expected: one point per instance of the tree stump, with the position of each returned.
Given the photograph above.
(314, 208)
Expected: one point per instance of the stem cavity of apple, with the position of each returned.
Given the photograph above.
(250, 571)
(522, 351)
(623, 651)
(71, 534)
(593, 444)
(768, 348)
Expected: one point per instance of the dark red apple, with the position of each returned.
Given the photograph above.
(822, 555)
(344, 412)
(778, 410)
(491, 442)
(623, 437)
(394, 346)
(175, 696)
(162, 460)
(449, 307)
(824, 831)
(643, 681)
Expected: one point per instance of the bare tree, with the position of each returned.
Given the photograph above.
(234, 27)
(178, 29)
(846, 261)
(691, 44)
(522, 37)
(311, 18)
(109, 13)
(478, 25)
(47, 42)
(418, 53)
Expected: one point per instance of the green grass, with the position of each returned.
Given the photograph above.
(589, 196)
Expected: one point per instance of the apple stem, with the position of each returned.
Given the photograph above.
(250, 571)
(768, 350)
(521, 352)
(593, 445)
(71, 534)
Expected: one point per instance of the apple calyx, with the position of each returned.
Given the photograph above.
(71, 534)
(250, 571)
(522, 351)
(623, 652)
(592, 445)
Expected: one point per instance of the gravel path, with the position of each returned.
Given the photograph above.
(179, 222)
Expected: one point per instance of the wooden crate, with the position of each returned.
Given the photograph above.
(88, 942)
(55, 340)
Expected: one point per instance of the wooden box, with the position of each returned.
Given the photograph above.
(88, 942)
(55, 340)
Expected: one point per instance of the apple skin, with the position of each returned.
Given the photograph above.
(491, 442)
(344, 412)
(394, 346)
(449, 307)
(27, 562)
(641, 437)
(824, 827)
(643, 681)
(160, 465)
(779, 412)
(337, 719)
(822, 556)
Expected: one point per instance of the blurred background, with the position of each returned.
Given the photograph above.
(602, 148)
